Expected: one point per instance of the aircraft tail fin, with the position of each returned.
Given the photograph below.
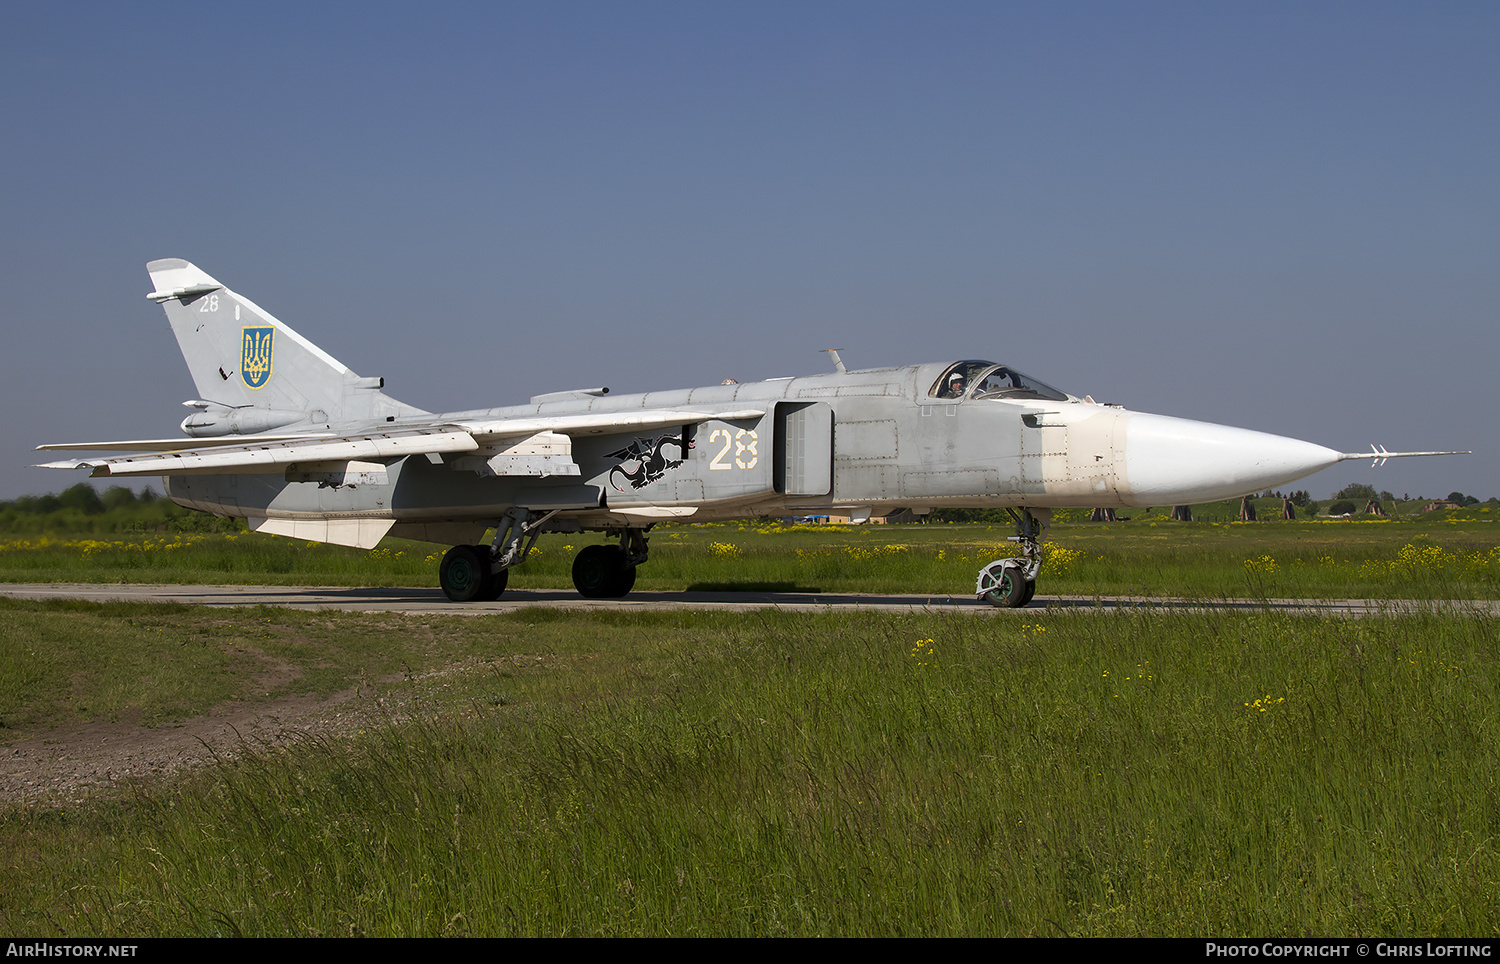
(254, 373)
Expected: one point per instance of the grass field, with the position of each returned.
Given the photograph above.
(681, 773)
(1428, 559)
(780, 774)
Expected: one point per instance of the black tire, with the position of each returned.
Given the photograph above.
(1011, 591)
(497, 581)
(600, 572)
(465, 573)
(624, 581)
(1030, 591)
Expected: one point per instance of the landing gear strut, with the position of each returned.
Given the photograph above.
(1010, 583)
(480, 573)
(608, 572)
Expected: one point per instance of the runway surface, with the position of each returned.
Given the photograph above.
(432, 601)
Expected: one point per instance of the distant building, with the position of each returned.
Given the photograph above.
(898, 517)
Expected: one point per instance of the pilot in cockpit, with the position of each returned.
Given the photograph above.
(956, 386)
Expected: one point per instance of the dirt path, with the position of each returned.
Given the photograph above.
(69, 765)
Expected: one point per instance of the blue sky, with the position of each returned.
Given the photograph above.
(1279, 216)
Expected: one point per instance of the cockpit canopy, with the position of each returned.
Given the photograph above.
(975, 378)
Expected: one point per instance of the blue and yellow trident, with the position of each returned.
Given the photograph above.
(255, 357)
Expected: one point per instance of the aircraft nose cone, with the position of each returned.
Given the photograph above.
(1175, 461)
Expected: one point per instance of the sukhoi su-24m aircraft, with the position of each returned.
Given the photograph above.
(288, 438)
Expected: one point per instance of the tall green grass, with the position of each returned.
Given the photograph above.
(780, 774)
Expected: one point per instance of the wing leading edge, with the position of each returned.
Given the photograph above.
(537, 446)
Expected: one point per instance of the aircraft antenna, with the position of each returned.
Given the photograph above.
(838, 363)
(1379, 454)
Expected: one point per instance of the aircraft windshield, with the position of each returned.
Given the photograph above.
(955, 382)
(1004, 382)
(975, 378)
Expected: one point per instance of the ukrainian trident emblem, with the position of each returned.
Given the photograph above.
(255, 357)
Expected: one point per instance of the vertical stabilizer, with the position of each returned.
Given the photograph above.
(242, 358)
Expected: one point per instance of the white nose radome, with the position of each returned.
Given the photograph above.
(1175, 461)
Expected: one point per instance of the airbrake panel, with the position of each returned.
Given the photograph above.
(804, 448)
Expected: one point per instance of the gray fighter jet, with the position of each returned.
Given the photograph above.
(288, 438)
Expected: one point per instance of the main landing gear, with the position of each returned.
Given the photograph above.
(608, 572)
(467, 574)
(1010, 583)
(480, 573)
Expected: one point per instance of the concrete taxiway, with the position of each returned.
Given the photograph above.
(432, 601)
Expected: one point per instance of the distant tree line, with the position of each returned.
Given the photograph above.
(81, 508)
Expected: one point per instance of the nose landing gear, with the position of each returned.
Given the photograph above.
(1010, 583)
